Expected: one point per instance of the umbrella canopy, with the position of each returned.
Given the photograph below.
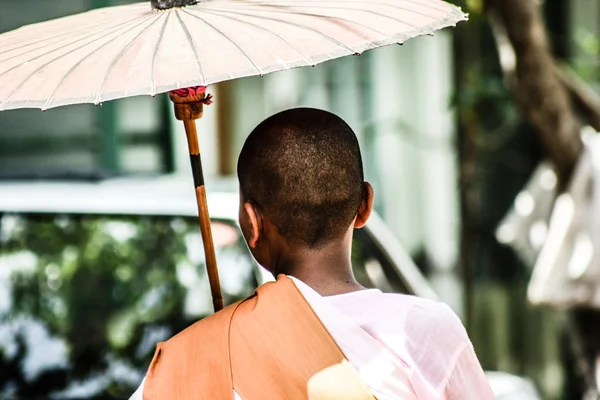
(138, 49)
(180, 46)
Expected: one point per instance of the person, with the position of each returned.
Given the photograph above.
(302, 194)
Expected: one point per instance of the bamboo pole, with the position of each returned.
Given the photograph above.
(189, 106)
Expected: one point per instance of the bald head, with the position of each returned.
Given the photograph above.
(302, 168)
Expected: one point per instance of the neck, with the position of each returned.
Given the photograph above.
(328, 269)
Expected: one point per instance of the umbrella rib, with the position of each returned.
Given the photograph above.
(76, 65)
(307, 28)
(396, 7)
(338, 18)
(190, 40)
(309, 61)
(302, 2)
(431, 4)
(155, 55)
(66, 45)
(118, 57)
(256, 67)
(45, 65)
(344, 8)
(345, 19)
(46, 39)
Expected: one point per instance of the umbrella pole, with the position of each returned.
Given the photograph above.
(189, 104)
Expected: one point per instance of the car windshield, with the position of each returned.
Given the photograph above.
(84, 299)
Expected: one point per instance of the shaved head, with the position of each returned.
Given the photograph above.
(303, 169)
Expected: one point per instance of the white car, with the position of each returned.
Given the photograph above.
(93, 274)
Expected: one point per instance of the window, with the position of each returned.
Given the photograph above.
(124, 136)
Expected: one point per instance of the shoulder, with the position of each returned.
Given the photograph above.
(397, 313)
(434, 323)
(427, 314)
(203, 340)
(206, 328)
(217, 325)
(420, 313)
(433, 339)
(422, 326)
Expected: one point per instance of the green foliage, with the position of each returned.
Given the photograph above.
(106, 288)
(587, 47)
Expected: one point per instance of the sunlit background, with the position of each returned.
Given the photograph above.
(84, 299)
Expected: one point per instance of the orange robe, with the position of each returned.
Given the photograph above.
(267, 346)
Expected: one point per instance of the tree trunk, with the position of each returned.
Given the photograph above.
(541, 95)
(548, 96)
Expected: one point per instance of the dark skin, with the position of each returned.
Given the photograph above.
(327, 269)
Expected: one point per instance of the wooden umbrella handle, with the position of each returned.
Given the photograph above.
(189, 105)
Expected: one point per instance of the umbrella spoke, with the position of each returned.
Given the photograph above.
(78, 63)
(66, 45)
(432, 3)
(336, 17)
(60, 62)
(324, 7)
(344, 2)
(233, 42)
(303, 27)
(161, 35)
(46, 41)
(308, 61)
(118, 57)
(190, 40)
(28, 77)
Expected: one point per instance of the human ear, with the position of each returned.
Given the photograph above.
(255, 220)
(364, 211)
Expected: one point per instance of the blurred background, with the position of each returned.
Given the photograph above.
(468, 137)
